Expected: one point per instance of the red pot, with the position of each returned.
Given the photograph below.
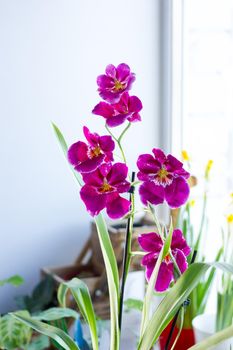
(185, 341)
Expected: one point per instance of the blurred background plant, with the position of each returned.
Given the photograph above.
(42, 297)
(195, 235)
(224, 314)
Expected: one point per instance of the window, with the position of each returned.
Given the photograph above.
(203, 98)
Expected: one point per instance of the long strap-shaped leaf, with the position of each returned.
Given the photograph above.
(112, 277)
(174, 299)
(150, 289)
(55, 313)
(214, 339)
(82, 297)
(57, 334)
(64, 148)
(108, 255)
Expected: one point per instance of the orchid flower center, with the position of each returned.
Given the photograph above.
(106, 187)
(162, 177)
(118, 85)
(94, 152)
(167, 258)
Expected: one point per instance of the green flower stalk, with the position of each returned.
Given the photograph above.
(224, 317)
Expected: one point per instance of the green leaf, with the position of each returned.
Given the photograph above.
(15, 280)
(108, 256)
(82, 297)
(150, 289)
(55, 313)
(133, 304)
(149, 294)
(214, 339)
(112, 278)
(168, 241)
(174, 299)
(14, 334)
(57, 334)
(203, 289)
(41, 297)
(64, 148)
(40, 342)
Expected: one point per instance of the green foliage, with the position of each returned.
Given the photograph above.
(150, 288)
(41, 298)
(64, 148)
(133, 304)
(108, 256)
(13, 333)
(112, 277)
(174, 299)
(40, 342)
(15, 281)
(56, 334)
(195, 237)
(82, 297)
(224, 309)
(56, 313)
(215, 339)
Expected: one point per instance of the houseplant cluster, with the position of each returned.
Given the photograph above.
(108, 185)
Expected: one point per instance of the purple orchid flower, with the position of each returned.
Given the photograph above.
(86, 157)
(128, 108)
(115, 82)
(152, 243)
(102, 188)
(163, 179)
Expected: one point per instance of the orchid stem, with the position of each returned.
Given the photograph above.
(109, 131)
(123, 132)
(127, 252)
(138, 253)
(122, 152)
(156, 220)
(175, 263)
(118, 140)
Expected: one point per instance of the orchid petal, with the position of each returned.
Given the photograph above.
(165, 276)
(135, 104)
(177, 193)
(106, 143)
(116, 120)
(179, 242)
(104, 109)
(77, 153)
(147, 164)
(118, 207)
(150, 242)
(93, 201)
(149, 192)
(180, 260)
(111, 71)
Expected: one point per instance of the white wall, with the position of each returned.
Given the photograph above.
(50, 54)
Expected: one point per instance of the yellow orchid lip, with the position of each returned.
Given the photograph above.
(106, 187)
(94, 152)
(162, 177)
(118, 86)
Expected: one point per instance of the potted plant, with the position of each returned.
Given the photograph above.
(195, 238)
(105, 184)
(208, 324)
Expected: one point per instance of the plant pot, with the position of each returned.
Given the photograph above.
(185, 341)
(204, 327)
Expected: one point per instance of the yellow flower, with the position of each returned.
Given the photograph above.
(192, 203)
(230, 219)
(185, 156)
(208, 168)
